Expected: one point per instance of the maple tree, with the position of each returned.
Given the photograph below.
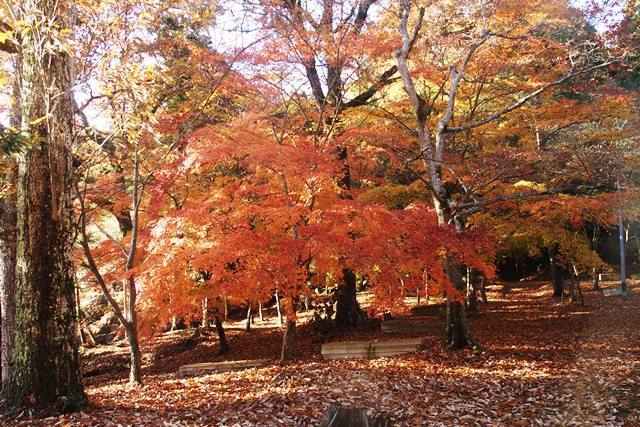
(207, 156)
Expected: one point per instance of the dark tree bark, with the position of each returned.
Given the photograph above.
(288, 340)
(224, 346)
(135, 356)
(457, 334)
(596, 279)
(348, 311)
(8, 218)
(483, 288)
(249, 316)
(556, 276)
(8, 278)
(45, 366)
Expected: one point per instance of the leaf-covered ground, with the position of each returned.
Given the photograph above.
(545, 363)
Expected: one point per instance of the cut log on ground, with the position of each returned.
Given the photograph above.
(408, 326)
(339, 416)
(430, 310)
(370, 349)
(218, 367)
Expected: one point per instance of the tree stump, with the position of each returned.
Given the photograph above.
(339, 416)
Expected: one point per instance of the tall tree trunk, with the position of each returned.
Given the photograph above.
(288, 340)
(224, 346)
(457, 334)
(135, 356)
(472, 290)
(248, 324)
(596, 279)
(348, 311)
(556, 277)
(8, 277)
(576, 283)
(205, 314)
(45, 366)
(483, 288)
(572, 289)
(8, 220)
(260, 314)
(279, 309)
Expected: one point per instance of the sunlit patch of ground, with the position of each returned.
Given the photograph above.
(546, 363)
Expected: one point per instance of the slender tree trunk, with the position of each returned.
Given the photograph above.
(226, 307)
(260, 314)
(135, 368)
(45, 370)
(224, 346)
(279, 309)
(483, 288)
(572, 289)
(348, 311)
(472, 290)
(596, 279)
(205, 313)
(576, 280)
(249, 316)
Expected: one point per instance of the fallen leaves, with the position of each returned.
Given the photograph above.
(546, 364)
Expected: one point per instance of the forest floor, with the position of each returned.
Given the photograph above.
(546, 362)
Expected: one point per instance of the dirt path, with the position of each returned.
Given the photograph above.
(546, 363)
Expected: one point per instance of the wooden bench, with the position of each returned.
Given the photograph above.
(615, 277)
(369, 349)
(613, 291)
(218, 367)
(409, 326)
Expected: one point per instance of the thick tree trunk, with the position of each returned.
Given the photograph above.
(288, 340)
(348, 311)
(556, 277)
(8, 276)
(457, 334)
(224, 346)
(596, 279)
(45, 367)
(8, 220)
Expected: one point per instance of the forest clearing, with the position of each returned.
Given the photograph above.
(339, 213)
(544, 364)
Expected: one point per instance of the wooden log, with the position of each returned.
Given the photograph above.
(218, 367)
(339, 416)
(409, 326)
(430, 310)
(369, 349)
